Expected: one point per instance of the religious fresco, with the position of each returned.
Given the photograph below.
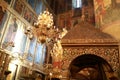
(65, 20)
(88, 12)
(106, 11)
(72, 17)
(3, 17)
(31, 50)
(14, 28)
(10, 36)
(85, 12)
(19, 6)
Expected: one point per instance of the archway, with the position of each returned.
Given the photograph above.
(89, 67)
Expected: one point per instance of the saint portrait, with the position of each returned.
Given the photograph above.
(3, 17)
(20, 42)
(31, 49)
(40, 53)
(19, 6)
(28, 15)
(12, 27)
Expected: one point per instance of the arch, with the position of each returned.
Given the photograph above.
(108, 55)
(89, 65)
(91, 57)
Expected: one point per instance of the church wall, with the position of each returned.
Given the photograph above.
(108, 19)
(107, 16)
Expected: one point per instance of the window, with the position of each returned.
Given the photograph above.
(76, 3)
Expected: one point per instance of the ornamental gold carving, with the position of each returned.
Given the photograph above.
(110, 54)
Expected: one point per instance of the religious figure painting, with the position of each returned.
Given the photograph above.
(3, 19)
(20, 42)
(19, 6)
(31, 50)
(40, 53)
(65, 20)
(9, 38)
(106, 11)
(28, 15)
(23, 71)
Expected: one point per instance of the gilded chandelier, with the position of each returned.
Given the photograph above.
(45, 32)
(44, 29)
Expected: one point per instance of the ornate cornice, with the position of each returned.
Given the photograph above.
(90, 41)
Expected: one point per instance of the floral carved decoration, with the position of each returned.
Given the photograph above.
(110, 54)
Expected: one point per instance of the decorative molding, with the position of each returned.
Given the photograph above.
(110, 54)
(84, 41)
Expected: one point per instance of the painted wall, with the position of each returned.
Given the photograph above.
(107, 16)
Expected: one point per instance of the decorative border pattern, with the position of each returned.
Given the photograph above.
(101, 41)
(110, 54)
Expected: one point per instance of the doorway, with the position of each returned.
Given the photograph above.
(89, 67)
